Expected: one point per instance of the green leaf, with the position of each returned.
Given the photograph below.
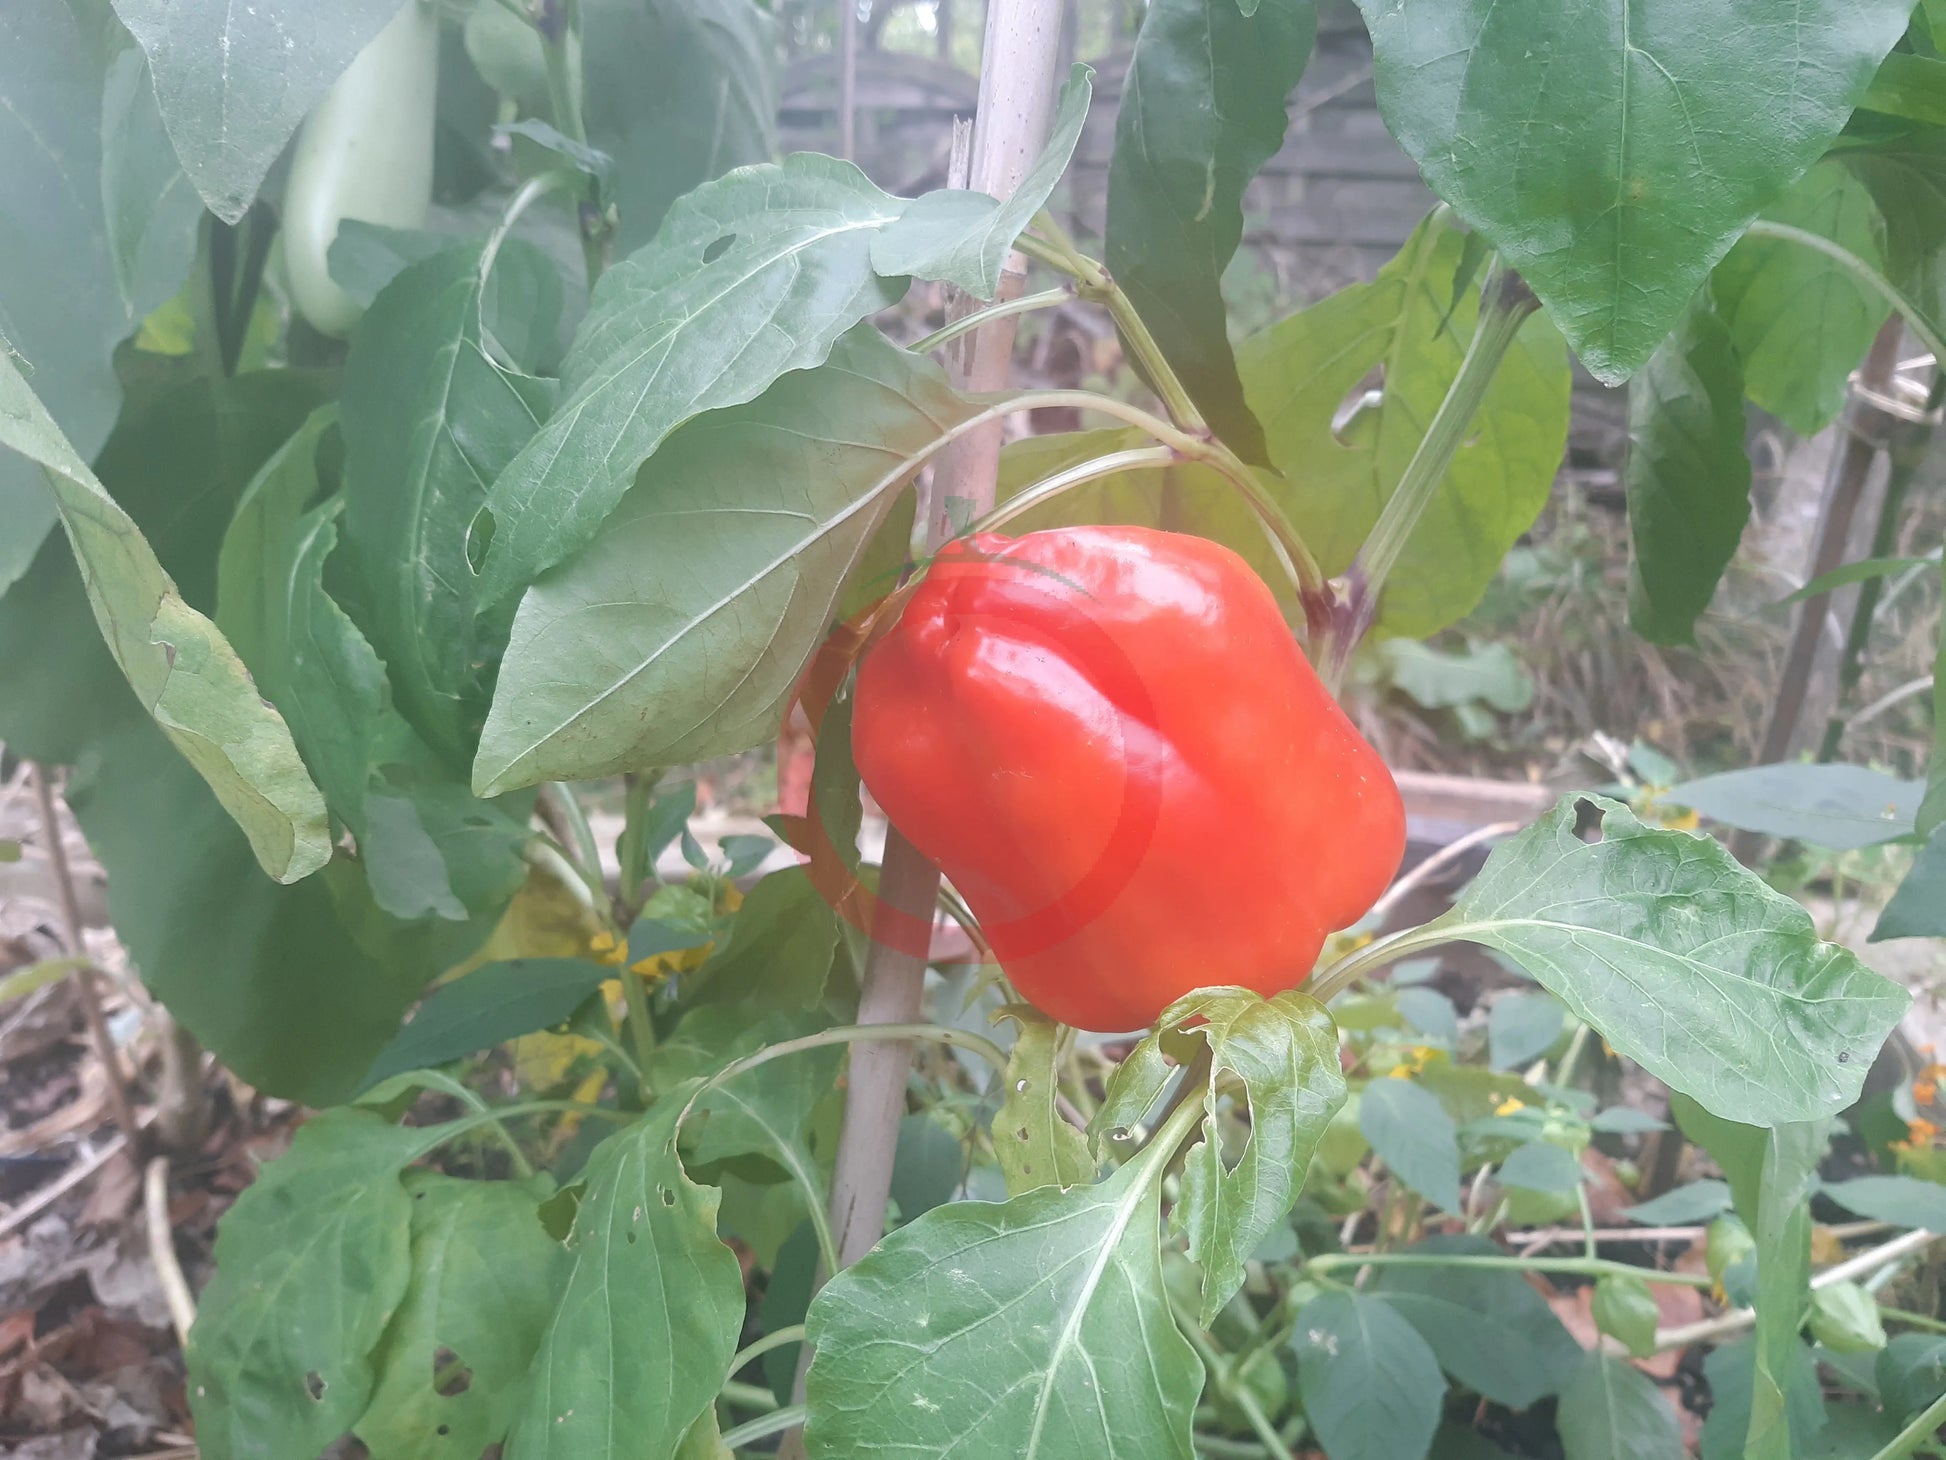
(484, 1279)
(1906, 175)
(1542, 1166)
(1909, 86)
(1441, 679)
(184, 672)
(1932, 811)
(1666, 133)
(428, 421)
(1415, 1137)
(749, 277)
(1625, 1310)
(780, 948)
(756, 1112)
(1699, 1201)
(1844, 1318)
(1911, 1373)
(1687, 476)
(1521, 1026)
(964, 237)
(681, 631)
(311, 1264)
(1409, 324)
(150, 208)
(1005, 1331)
(234, 81)
(1918, 908)
(1371, 1385)
(1857, 572)
(1799, 322)
(677, 94)
(1611, 1410)
(1202, 109)
(652, 1293)
(1034, 1144)
(488, 1006)
(1904, 1201)
(1430, 1013)
(1685, 962)
(1842, 807)
(1783, 1232)
(1623, 1120)
(1731, 1371)
(1491, 1330)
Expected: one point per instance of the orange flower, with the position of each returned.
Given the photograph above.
(1921, 1133)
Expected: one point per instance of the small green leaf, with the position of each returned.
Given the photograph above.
(1625, 1310)
(1034, 1144)
(993, 1331)
(1911, 1373)
(1521, 1026)
(484, 1278)
(1904, 1201)
(1844, 1318)
(1737, 1149)
(1699, 1201)
(1666, 133)
(652, 1293)
(1430, 1013)
(1371, 1385)
(311, 1263)
(964, 237)
(1687, 476)
(1542, 1166)
(1415, 1137)
(1623, 1120)
(780, 947)
(1611, 1410)
(1202, 109)
(1685, 962)
(1918, 908)
(488, 1006)
(1842, 807)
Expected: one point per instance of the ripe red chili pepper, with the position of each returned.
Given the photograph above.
(1109, 742)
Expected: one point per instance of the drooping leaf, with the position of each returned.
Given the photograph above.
(181, 668)
(1409, 325)
(1918, 908)
(1520, 1027)
(1783, 1232)
(750, 276)
(1033, 1142)
(1372, 1387)
(1687, 475)
(311, 1263)
(235, 80)
(1666, 132)
(653, 1294)
(1492, 1331)
(680, 632)
(1021, 1330)
(1202, 108)
(488, 1006)
(428, 422)
(1414, 1137)
(1731, 1371)
(1685, 962)
(964, 237)
(1799, 321)
(483, 1282)
(677, 94)
(1611, 1410)
(1842, 807)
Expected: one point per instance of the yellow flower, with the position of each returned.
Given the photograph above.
(1510, 1105)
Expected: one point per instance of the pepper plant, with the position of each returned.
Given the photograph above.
(533, 425)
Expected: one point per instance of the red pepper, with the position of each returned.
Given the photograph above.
(1111, 745)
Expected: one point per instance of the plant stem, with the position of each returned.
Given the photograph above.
(1915, 1320)
(1025, 304)
(1924, 1425)
(1223, 1371)
(764, 1426)
(641, 1030)
(632, 847)
(1352, 967)
(1914, 317)
(1568, 1266)
(755, 1351)
(746, 1396)
(1027, 499)
(1505, 303)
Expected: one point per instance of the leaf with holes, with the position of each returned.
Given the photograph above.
(652, 1292)
(1033, 1142)
(1613, 151)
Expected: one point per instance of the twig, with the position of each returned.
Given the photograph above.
(162, 1247)
(21, 1215)
(84, 977)
(1439, 861)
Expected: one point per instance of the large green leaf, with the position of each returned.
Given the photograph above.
(1411, 324)
(1800, 322)
(644, 1330)
(1783, 1232)
(1688, 476)
(677, 93)
(1201, 110)
(1491, 1330)
(148, 204)
(751, 276)
(964, 237)
(235, 80)
(1022, 1330)
(1611, 1410)
(1918, 908)
(1904, 1201)
(1731, 1371)
(1033, 1142)
(488, 1006)
(311, 1264)
(1612, 150)
(681, 630)
(483, 1283)
(184, 672)
(1372, 1387)
(1842, 807)
(1684, 961)
(429, 421)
